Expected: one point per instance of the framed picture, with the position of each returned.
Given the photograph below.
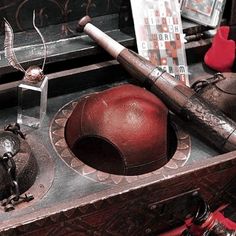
(205, 12)
(159, 35)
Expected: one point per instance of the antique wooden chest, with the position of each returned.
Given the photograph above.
(70, 197)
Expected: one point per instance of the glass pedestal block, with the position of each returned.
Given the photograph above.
(32, 103)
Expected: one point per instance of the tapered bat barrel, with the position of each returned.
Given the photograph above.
(210, 123)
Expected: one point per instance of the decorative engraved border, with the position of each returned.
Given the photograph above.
(57, 130)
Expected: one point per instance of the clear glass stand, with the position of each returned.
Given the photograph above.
(32, 103)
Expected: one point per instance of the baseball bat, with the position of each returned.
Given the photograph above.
(210, 122)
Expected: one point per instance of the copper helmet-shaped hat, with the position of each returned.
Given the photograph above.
(122, 130)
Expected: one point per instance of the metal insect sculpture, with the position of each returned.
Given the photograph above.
(33, 74)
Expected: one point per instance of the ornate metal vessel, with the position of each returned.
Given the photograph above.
(18, 166)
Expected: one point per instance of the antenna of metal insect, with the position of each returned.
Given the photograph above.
(33, 74)
(43, 40)
(9, 48)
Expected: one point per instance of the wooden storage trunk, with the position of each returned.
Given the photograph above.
(72, 198)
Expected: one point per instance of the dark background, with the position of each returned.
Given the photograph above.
(48, 12)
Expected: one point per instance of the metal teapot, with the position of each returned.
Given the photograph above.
(18, 167)
(219, 90)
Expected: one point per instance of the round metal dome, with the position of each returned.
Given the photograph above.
(122, 130)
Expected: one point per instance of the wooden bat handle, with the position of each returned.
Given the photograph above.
(211, 124)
